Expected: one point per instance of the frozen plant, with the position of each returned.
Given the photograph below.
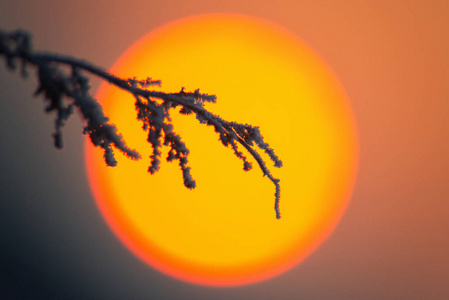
(63, 91)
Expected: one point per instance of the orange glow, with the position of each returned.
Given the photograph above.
(224, 232)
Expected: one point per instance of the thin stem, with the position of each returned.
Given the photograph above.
(55, 84)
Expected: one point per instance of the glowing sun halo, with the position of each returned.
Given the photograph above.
(224, 232)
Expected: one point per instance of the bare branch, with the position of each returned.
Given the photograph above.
(65, 91)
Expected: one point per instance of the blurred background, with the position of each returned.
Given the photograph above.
(392, 242)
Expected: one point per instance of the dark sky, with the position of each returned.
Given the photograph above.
(393, 241)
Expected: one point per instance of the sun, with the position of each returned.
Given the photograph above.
(224, 232)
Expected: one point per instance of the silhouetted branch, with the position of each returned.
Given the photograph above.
(153, 109)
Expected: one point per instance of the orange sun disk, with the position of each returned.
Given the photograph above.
(224, 232)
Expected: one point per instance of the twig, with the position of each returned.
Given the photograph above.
(153, 109)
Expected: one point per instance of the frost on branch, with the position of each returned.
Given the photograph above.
(65, 91)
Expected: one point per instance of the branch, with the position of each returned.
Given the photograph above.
(65, 91)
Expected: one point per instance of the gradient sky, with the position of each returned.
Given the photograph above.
(393, 241)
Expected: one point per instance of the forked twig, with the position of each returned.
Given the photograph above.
(65, 91)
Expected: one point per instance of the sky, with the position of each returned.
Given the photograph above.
(393, 240)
